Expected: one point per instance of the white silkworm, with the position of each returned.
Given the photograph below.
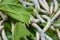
(41, 31)
(49, 38)
(37, 36)
(32, 19)
(1, 27)
(34, 38)
(43, 11)
(38, 7)
(46, 17)
(36, 4)
(55, 16)
(58, 33)
(4, 17)
(47, 27)
(46, 4)
(43, 5)
(57, 25)
(4, 35)
(25, 3)
(48, 23)
(51, 8)
(37, 27)
(0, 38)
(12, 25)
(55, 5)
(22, 3)
(25, 38)
(35, 20)
(38, 16)
(52, 28)
(42, 37)
(12, 30)
(1, 22)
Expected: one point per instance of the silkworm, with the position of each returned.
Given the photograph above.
(37, 27)
(49, 38)
(36, 4)
(33, 20)
(38, 7)
(25, 3)
(21, 1)
(55, 16)
(12, 30)
(58, 33)
(1, 22)
(48, 23)
(52, 27)
(25, 38)
(47, 26)
(1, 27)
(51, 8)
(43, 11)
(55, 5)
(0, 38)
(46, 17)
(4, 35)
(57, 25)
(4, 17)
(46, 4)
(37, 36)
(42, 37)
(41, 31)
(38, 16)
(43, 5)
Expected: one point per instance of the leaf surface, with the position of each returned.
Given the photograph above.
(20, 31)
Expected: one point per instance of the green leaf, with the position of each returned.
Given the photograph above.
(8, 1)
(9, 35)
(7, 25)
(20, 31)
(57, 21)
(17, 11)
(52, 34)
